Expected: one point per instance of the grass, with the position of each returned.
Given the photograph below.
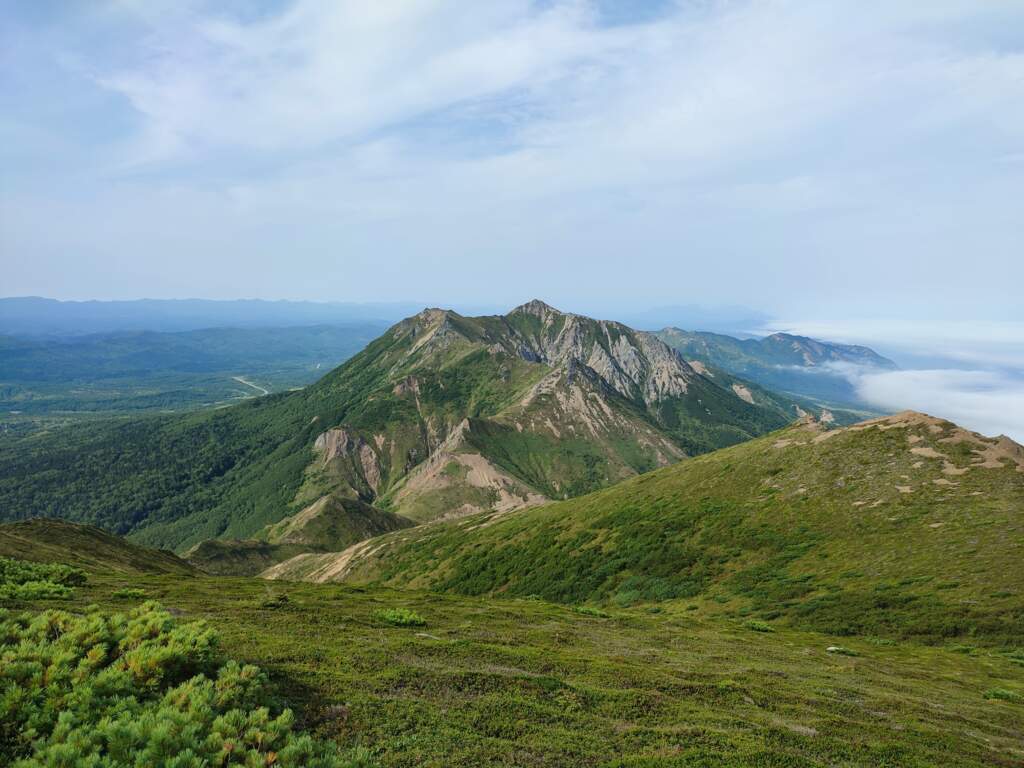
(841, 650)
(500, 682)
(129, 593)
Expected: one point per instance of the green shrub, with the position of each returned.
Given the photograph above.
(758, 626)
(880, 640)
(275, 601)
(21, 571)
(129, 593)
(1004, 695)
(400, 617)
(23, 580)
(34, 590)
(137, 689)
(589, 610)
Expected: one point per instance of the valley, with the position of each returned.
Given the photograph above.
(47, 382)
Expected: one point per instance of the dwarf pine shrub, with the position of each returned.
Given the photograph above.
(400, 617)
(137, 689)
(23, 580)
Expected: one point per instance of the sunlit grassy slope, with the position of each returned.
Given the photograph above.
(907, 526)
(500, 682)
(42, 540)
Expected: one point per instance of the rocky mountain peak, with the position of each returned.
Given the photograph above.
(537, 308)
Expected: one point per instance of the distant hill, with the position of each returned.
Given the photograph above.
(783, 362)
(36, 316)
(443, 415)
(903, 525)
(58, 541)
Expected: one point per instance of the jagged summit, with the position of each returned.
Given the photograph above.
(535, 307)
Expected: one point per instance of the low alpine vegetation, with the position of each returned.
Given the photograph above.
(137, 689)
(22, 580)
(1004, 694)
(589, 610)
(400, 617)
(129, 593)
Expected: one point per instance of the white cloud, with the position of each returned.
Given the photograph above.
(323, 72)
(779, 154)
(971, 342)
(984, 401)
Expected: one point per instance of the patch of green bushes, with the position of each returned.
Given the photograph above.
(589, 610)
(1004, 695)
(400, 617)
(35, 590)
(24, 580)
(758, 626)
(138, 689)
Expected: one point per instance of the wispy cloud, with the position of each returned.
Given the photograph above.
(776, 154)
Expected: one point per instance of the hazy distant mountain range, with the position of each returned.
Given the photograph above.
(34, 316)
(783, 362)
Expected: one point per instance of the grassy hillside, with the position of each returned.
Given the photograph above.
(499, 682)
(441, 415)
(905, 527)
(84, 546)
(328, 524)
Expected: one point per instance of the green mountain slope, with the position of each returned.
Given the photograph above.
(443, 415)
(905, 525)
(57, 541)
(783, 362)
(328, 524)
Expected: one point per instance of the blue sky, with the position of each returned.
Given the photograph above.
(851, 166)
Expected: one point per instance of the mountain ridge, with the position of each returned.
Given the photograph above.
(531, 405)
(819, 527)
(785, 362)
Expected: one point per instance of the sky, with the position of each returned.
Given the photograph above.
(853, 166)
